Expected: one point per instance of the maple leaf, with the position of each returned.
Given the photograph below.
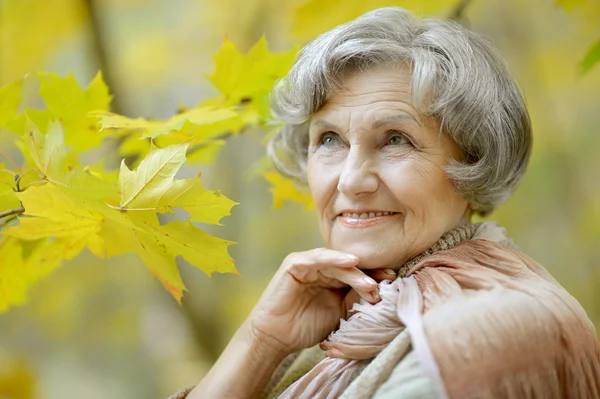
(52, 213)
(10, 98)
(13, 285)
(152, 129)
(159, 245)
(251, 76)
(18, 273)
(112, 222)
(155, 175)
(47, 151)
(204, 206)
(8, 199)
(68, 102)
(284, 189)
(40, 117)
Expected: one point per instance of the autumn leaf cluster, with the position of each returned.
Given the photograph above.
(53, 206)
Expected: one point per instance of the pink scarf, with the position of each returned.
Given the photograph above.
(485, 321)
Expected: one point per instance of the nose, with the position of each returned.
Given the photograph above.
(358, 178)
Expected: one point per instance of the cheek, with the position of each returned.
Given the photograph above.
(320, 182)
(422, 187)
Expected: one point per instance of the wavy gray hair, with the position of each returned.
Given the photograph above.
(456, 76)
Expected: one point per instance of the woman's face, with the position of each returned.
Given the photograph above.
(376, 171)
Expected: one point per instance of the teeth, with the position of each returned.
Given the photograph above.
(366, 215)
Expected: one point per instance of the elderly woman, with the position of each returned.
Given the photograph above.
(405, 128)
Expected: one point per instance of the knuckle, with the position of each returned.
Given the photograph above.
(319, 252)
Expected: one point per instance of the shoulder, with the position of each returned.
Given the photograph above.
(491, 312)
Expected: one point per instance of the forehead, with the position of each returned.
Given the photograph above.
(371, 94)
(386, 84)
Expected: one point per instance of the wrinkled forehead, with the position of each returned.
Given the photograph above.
(377, 85)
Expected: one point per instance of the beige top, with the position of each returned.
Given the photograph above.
(490, 323)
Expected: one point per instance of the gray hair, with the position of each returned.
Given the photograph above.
(463, 78)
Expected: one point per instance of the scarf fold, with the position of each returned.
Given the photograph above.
(369, 328)
(485, 321)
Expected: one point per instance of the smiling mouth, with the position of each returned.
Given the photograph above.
(365, 219)
(366, 215)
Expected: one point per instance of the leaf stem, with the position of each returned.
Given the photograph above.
(33, 183)
(10, 212)
(10, 172)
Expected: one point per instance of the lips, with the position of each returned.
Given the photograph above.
(365, 215)
(366, 218)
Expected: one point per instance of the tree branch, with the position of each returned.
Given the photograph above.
(10, 212)
(99, 48)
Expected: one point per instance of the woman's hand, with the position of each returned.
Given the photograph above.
(308, 295)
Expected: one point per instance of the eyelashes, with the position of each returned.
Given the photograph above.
(393, 137)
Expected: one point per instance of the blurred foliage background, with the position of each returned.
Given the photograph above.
(107, 329)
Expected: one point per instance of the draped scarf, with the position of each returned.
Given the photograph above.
(485, 321)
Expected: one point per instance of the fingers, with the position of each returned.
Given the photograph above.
(336, 269)
(364, 285)
(381, 274)
(305, 266)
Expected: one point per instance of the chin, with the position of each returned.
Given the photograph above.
(372, 255)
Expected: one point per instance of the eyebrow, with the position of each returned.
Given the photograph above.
(394, 118)
(376, 124)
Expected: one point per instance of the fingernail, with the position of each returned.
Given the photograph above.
(375, 295)
(389, 272)
(352, 257)
(370, 281)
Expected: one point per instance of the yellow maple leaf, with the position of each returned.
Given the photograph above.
(203, 115)
(154, 176)
(313, 17)
(68, 102)
(52, 213)
(8, 199)
(13, 285)
(249, 77)
(79, 215)
(40, 117)
(19, 272)
(203, 205)
(284, 189)
(152, 186)
(159, 245)
(10, 98)
(47, 151)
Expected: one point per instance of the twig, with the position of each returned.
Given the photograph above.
(10, 212)
(99, 47)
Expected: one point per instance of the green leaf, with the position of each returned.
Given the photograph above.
(591, 58)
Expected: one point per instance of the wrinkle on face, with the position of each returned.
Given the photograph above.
(358, 167)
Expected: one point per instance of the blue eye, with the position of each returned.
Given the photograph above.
(396, 139)
(328, 139)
